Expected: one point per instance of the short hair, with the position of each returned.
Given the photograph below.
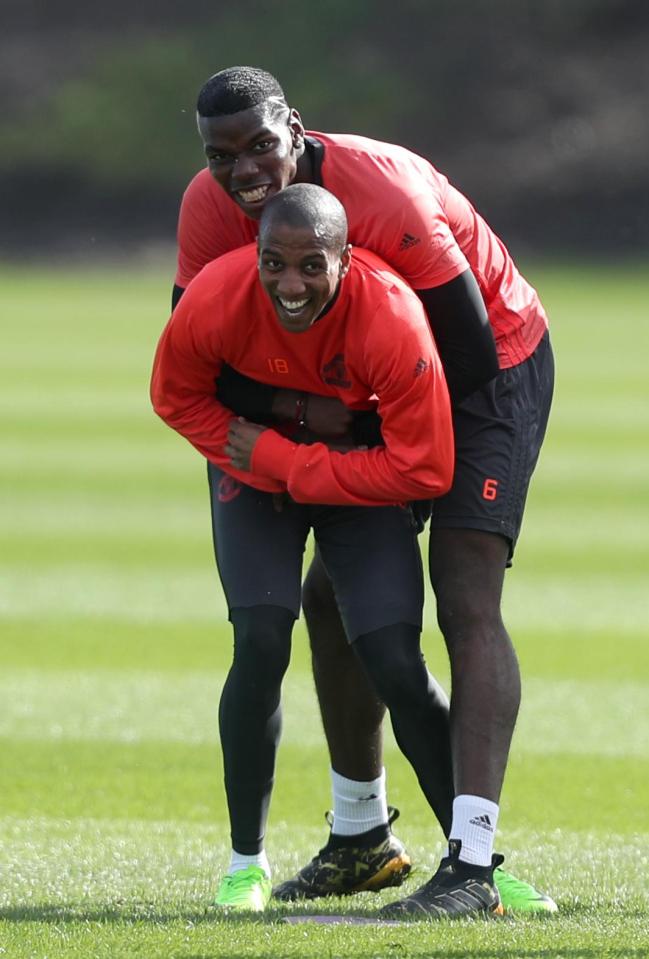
(238, 88)
(308, 205)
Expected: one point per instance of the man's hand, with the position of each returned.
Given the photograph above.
(326, 416)
(242, 437)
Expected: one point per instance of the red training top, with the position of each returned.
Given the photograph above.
(399, 206)
(374, 343)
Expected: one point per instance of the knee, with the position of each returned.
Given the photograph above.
(400, 687)
(466, 611)
(318, 598)
(460, 619)
(326, 631)
(398, 672)
(466, 571)
(262, 641)
(471, 628)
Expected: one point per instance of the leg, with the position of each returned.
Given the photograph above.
(378, 583)
(418, 708)
(363, 858)
(467, 569)
(250, 719)
(259, 557)
(352, 714)
(498, 433)
(373, 557)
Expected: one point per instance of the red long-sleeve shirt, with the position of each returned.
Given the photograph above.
(373, 344)
(403, 209)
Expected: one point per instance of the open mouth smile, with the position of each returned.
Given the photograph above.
(292, 307)
(254, 195)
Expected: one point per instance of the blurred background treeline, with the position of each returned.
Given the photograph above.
(538, 111)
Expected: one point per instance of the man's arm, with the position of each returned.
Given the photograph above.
(325, 416)
(465, 342)
(176, 294)
(417, 459)
(239, 393)
(464, 339)
(186, 363)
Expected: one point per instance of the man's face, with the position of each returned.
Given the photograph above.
(253, 154)
(300, 271)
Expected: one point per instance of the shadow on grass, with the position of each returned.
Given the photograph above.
(142, 914)
(123, 915)
(595, 953)
(130, 912)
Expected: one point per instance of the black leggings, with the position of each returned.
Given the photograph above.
(418, 708)
(250, 718)
(250, 714)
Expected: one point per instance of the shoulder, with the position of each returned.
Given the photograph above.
(392, 165)
(352, 147)
(210, 224)
(375, 278)
(375, 288)
(395, 202)
(205, 201)
(202, 186)
(233, 273)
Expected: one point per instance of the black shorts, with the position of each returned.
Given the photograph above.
(371, 555)
(498, 435)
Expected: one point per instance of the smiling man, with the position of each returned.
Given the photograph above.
(293, 309)
(491, 332)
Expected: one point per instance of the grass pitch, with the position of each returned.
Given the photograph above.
(114, 646)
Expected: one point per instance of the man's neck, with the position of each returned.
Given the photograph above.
(304, 168)
(309, 165)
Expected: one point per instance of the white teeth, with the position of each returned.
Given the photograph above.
(293, 305)
(251, 196)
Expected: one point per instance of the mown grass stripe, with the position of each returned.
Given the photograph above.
(563, 717)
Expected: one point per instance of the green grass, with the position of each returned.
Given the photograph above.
(114, 646)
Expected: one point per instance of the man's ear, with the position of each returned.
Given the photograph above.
(345, 260)
(296, 127)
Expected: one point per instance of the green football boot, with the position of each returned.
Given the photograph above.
(518, 896)
(246, 890)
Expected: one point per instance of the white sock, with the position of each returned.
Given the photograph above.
(358, 806)
(239, 861)
(474, 824)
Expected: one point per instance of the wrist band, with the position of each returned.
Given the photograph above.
(300, 409)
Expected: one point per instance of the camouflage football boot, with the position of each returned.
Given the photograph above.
(375, 861)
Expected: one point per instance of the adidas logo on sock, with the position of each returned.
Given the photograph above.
(483, 822)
